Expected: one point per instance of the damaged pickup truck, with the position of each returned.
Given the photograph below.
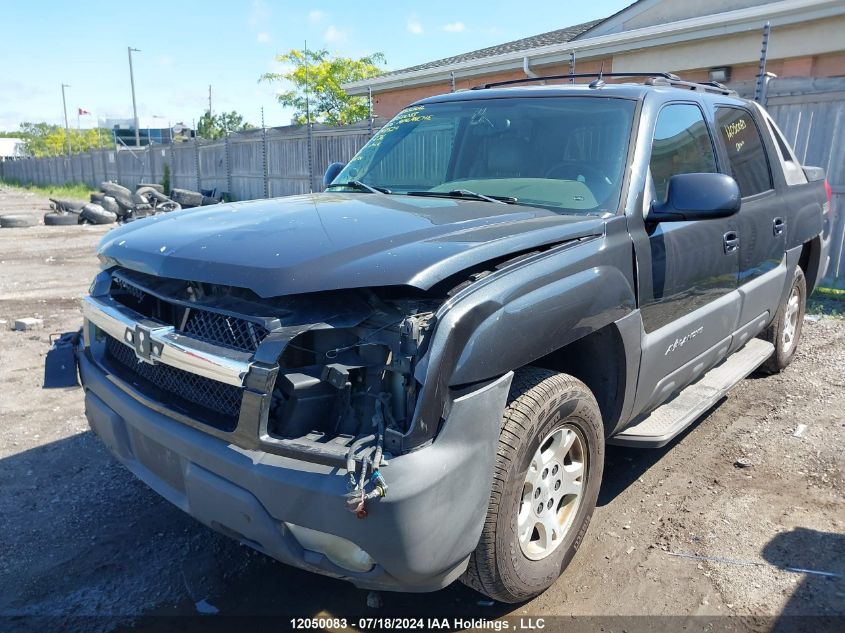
(410, 378)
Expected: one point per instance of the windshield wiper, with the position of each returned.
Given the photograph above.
(360, 186)
(465, 193)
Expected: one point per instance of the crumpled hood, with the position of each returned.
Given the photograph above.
(330, 241)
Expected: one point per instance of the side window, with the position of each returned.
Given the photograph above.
(681, 145)
(746, 154)
(792, 171)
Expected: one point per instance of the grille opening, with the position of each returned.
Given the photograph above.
(211, 402)
(223, 330)
(211, 327)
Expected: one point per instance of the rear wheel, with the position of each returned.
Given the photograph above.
(785, 331)
(548, 471)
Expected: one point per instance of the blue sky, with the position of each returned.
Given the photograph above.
(185, 46)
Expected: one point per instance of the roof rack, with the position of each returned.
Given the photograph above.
(653, 79)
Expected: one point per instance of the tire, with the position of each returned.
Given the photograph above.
(110, 204)
(147, 195)
(552, 408)
(168, 207)
(97, 197)
(186, 197)
(61, 219)
(784, 332)
(125, 207)
(141, 198)
(72, 206)
(115, 190)
(96, 214)
(122, 195)
(208, 200)
(142, 211)
(152, 185)
(16, 221)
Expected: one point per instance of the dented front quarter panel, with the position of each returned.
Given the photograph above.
(522, 313)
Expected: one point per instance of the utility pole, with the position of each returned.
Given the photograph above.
(760, 87)
(370, 107)
(308, 126)
(134, 105)
(67, 128)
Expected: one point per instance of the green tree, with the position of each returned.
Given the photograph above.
(44, 139)
(219, 125)
(323, 75)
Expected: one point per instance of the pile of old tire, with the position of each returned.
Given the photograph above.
(119, 200)
(68, 212)
(116, 203)
(147, 199)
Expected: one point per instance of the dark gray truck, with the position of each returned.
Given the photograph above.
(411, 378)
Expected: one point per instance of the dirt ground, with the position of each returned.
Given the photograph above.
(80, 536)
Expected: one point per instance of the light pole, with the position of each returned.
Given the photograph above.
(67, 128)
(134, 106)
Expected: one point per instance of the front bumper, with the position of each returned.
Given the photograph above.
(420, 535)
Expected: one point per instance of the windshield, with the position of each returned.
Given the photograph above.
(562, 153)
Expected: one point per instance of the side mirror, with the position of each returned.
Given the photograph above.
(697, 197)
(331, 173)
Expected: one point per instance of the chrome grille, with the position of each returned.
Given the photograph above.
(219, 403)
(129, 289)
(224, 330)
(212, 327)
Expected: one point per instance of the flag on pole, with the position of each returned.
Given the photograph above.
(81, 112)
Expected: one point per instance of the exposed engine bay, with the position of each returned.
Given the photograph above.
(354, 382)
(343, 361)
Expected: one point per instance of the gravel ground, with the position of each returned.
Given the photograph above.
(80, 536)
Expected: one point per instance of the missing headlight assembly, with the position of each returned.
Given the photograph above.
(354, 387)
(336, 382)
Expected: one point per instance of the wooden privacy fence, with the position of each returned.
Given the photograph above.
(262, 163)
(274, 162)
(811, 113)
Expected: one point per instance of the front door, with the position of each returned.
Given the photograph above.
(687, 271)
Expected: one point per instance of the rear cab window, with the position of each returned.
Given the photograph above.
(792, 170)
(746, 153)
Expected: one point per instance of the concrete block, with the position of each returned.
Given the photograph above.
(28, 323)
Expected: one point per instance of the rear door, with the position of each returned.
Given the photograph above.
(762, 218)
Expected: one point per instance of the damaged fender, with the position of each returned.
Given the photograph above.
(535, 307)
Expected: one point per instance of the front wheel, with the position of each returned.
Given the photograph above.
(548, 470)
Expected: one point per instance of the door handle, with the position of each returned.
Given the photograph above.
(731, 241)
(778, 226)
